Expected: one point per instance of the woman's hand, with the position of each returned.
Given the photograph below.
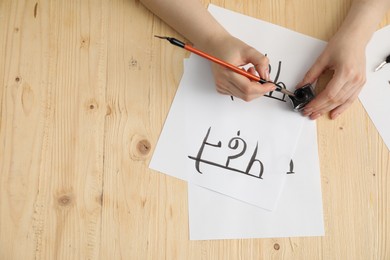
(347, 61)
(345, 55)
(236, 52)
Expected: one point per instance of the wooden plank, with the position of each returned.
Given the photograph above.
(52, 131)
(139, 206)
(85, 89)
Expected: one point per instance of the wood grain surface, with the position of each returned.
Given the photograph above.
(84, 92)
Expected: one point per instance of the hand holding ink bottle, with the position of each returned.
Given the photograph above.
(345, 56)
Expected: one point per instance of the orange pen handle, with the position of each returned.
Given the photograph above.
(223, 63)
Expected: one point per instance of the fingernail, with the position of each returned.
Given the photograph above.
(315, 116)
(266, 75)
(334, 116)
(307, 110)
(306, 113)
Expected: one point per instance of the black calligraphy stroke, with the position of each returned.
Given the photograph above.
(283, 99)
(234, 145)
(291, 171)
(270, 94)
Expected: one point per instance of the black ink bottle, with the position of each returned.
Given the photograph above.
(302, 97)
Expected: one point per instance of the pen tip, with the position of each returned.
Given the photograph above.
(161, 37)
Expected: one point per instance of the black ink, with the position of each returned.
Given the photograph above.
(302, 97)
(270, 95)
(233, 144)
(252, 161)
(204, 143)
(221, 166)
(291, 167)
(278, 72)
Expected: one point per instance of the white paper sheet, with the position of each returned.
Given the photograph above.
(267, 123)
(174, 146)
(375, 95)
(299, 212)
(269, 128)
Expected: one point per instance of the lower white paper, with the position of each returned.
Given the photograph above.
(249, 144)
(299, 212)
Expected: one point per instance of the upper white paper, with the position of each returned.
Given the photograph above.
(375, 95)
(299, 212)
(265, 130)
(266, 123)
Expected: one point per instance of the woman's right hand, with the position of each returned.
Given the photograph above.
(238, 53)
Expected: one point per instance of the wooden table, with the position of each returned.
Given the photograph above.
(85, 90)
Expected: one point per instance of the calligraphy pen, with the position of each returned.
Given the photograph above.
(238, 70)
(386, 61)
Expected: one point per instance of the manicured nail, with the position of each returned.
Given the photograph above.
(306, 113)
(334, 116)
(307, 110)
(266, 74)
(315, 116)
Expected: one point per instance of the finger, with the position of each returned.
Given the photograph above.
(260, 62)
(329, 95)
(343, 95)
(350, 96)
(266, 87)
(252, 71)
(350, 88)
(340, 109)
(235, 85)
(239, 86)
(315, 116)
(314, 72)
(224, 92)
(228, 88)
(260, 89)
(263, 89)
(222, 85)
(248, 90)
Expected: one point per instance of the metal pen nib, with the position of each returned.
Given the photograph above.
(387, 60)
(381, 66)
(283, 90)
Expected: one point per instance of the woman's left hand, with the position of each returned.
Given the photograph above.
(347, 60)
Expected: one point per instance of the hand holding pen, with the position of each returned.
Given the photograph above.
(230, 79)
(299, 98)
(228, 68)
(238, 53)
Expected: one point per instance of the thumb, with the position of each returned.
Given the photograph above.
(260, 62)
(313, 73)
